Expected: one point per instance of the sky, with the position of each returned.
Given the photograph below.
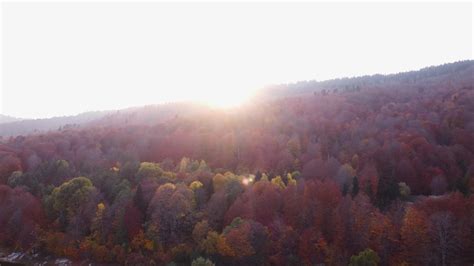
(67, 58)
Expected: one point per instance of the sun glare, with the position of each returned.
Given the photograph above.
(225, 98)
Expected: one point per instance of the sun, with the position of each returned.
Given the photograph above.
(225, 98)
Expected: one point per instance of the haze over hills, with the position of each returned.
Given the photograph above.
(7, 119)
(131, 116)
(452, 74)
(15, 127)
(458, 73)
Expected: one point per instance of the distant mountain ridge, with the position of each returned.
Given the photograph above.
(458, 74)
(8, 119)
(28, 126)
(129, 116)
(460, 71)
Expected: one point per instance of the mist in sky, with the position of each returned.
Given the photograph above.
(66, 58)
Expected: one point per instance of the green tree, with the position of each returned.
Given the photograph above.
(63, 169)
(73, 203)
(355, 186)
(15, 179)
(151, 170)
(387, 191)
(171, 213)
(71, 194)
(404, 190)
(294, 146)
(202, 262)
(368, 257)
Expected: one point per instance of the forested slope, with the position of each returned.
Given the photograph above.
(376, 168)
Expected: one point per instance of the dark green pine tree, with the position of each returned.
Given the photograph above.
(345, 189)
(139, 199)
(355, 186)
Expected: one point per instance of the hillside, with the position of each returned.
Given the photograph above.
(458, 74)
(14, 127)
(7, 119)
(377, 168)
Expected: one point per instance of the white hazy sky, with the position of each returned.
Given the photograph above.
(67, 58)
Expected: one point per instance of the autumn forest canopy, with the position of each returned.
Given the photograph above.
(374, 170)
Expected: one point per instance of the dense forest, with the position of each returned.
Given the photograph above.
(375, 170)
